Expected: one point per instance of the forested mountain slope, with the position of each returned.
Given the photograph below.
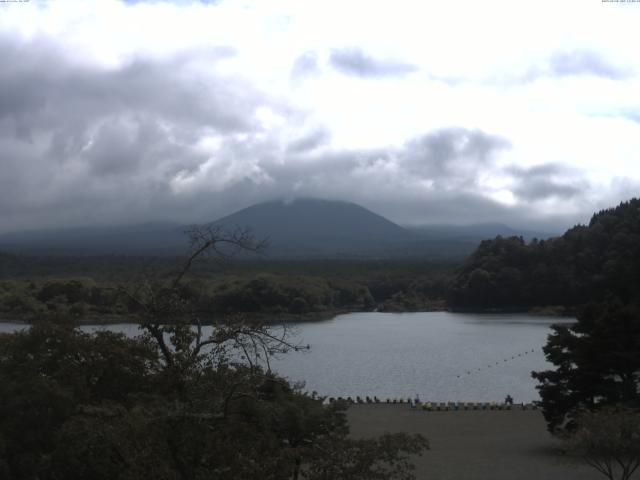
(586, 263)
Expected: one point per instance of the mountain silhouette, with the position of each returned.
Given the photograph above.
(302, 228)
(310, 227)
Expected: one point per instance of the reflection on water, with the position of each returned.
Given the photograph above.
(440, 356)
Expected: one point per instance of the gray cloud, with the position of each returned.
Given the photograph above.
(82, 143)
(353, 61)
(430, 179)
(452, 149)
(305, 65)
(584, 62)
(310, 141)
(538, 189)
(160, 140)
(41, 90)
(573, 63)
(448, 159)
(633, 116)
(549, 180)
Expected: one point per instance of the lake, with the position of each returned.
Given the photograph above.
(440, 356)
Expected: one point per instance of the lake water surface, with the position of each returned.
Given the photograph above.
(440, 356)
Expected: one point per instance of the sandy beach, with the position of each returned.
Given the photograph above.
(475, 444)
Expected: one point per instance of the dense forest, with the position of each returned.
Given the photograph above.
(85, 287)
(588, 263)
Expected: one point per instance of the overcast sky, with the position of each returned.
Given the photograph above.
(526, 113)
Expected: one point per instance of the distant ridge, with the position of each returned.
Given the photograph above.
(298, 229)
(139, 239)
(479, 231)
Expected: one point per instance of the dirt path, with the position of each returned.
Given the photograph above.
(475, 445)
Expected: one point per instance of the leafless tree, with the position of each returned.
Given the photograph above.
(171, 320)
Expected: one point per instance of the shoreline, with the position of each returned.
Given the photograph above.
(540, 311)
(308, 317)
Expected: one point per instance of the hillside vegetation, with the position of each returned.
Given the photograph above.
(587, 263)
(85, 287)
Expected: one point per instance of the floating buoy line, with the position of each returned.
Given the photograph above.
(510, 358)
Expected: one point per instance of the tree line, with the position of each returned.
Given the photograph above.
(587, 263)
(257, 288)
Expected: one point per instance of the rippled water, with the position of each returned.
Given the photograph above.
(440, 356)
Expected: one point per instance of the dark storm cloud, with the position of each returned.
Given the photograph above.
(353, 61)
(85, 143)
(546, 181)
(40, 89)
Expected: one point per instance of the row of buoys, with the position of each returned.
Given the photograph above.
(368, 399)
(455, 406)
(491, 365)
(436, 406)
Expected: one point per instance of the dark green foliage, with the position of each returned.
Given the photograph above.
(101, 406)
(102, 267)
(284, 294)
(298, 288)
(597, 364)
(587, 263)
(73, 290)
(609, 441)
(47, 373)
